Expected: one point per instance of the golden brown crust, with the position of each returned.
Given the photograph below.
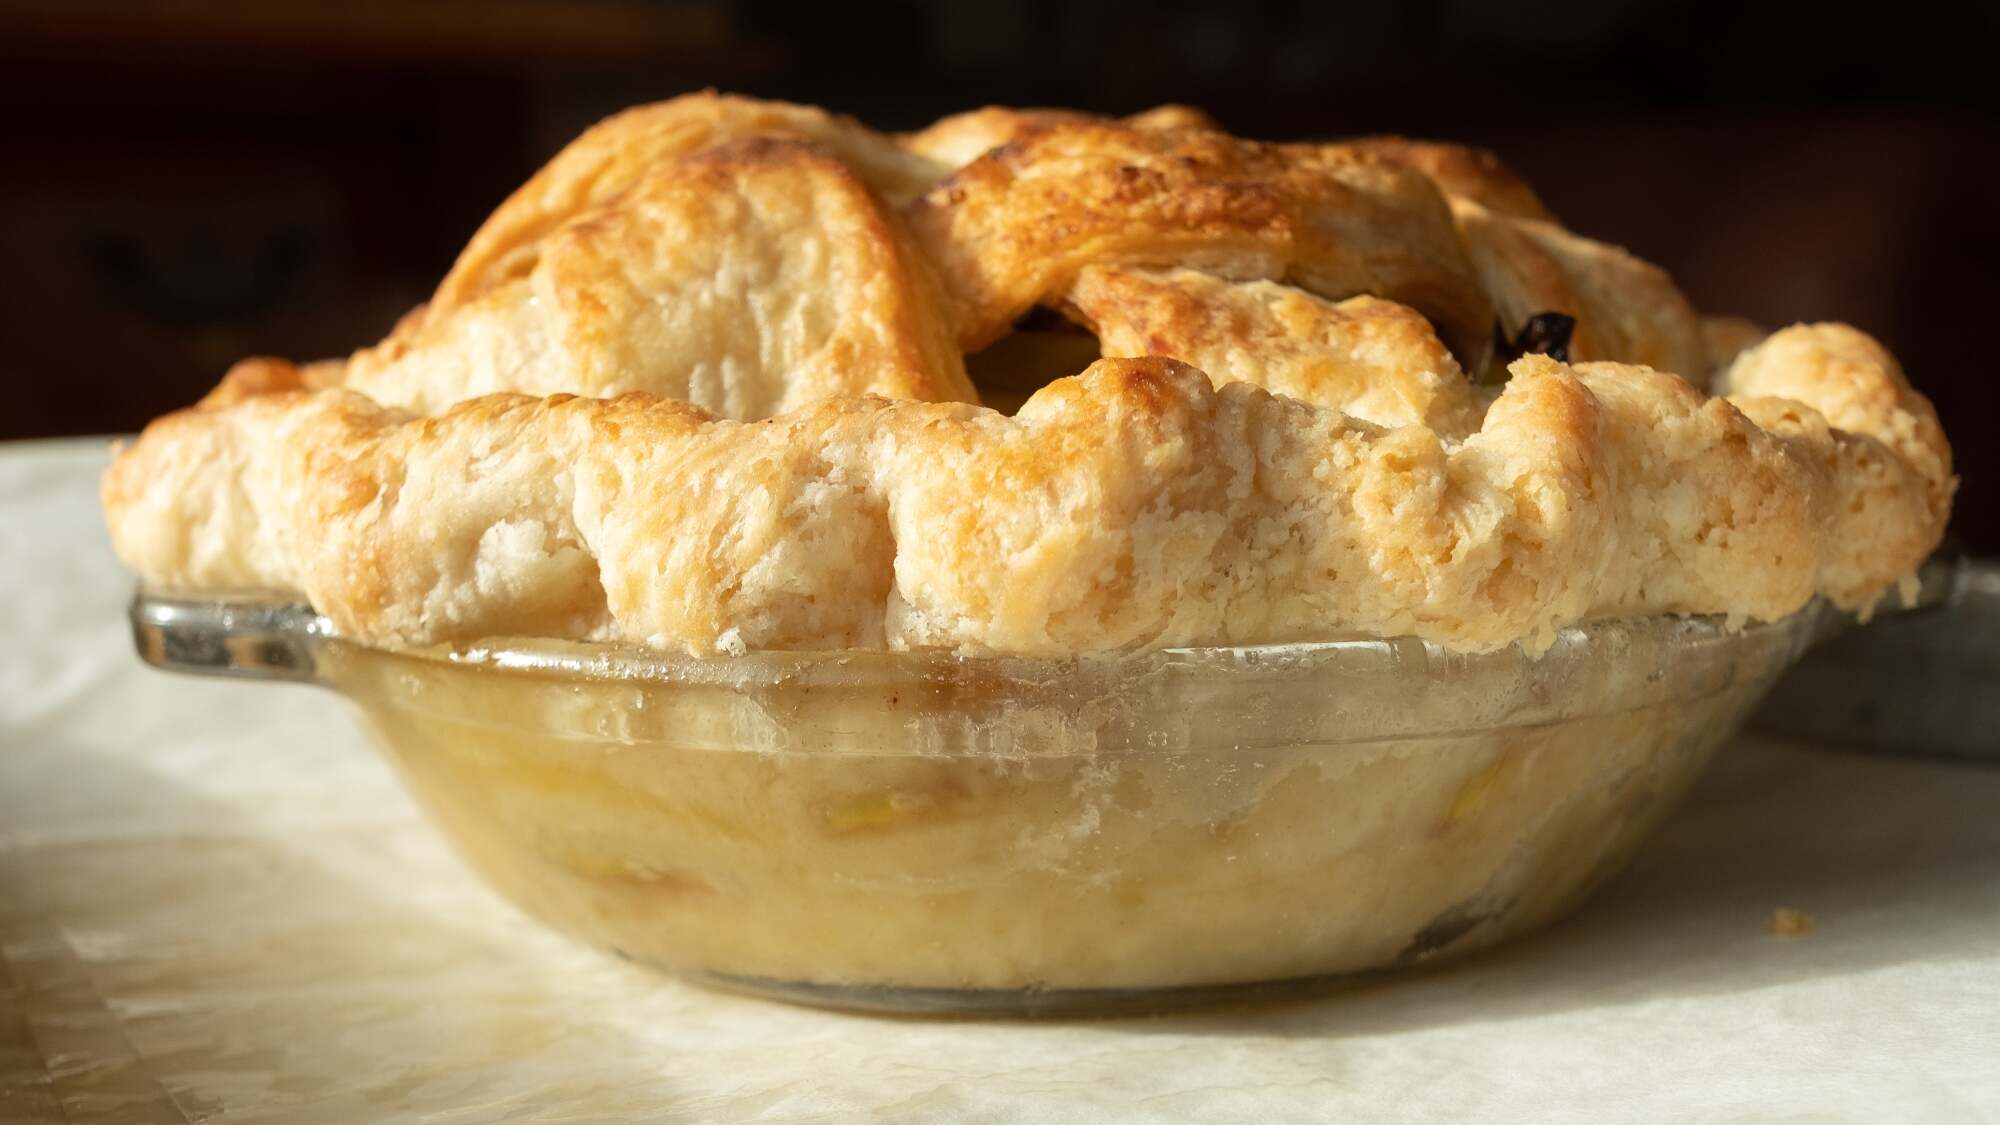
(1853, 381)
(1173, 116)
(1161, 188)
(1132, 505)
(1462, 170)
(725, 257)
(1376, 360)
(958, 140)
(622, 149)
(1626, 309)
(1835, 390)
(748, 278)
(1014, 227)
(257, 375)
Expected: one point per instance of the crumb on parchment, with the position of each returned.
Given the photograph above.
(1787, 922)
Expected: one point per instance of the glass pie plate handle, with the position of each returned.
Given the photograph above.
(929, 832)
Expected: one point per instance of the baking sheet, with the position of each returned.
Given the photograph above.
(216, 905)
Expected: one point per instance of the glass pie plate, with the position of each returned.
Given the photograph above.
(928, 832)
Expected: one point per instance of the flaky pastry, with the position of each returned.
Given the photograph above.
(701, 385)
(1463, 172)
(1375, 359)
(958, 140)
(750, 278)
(1014, 227)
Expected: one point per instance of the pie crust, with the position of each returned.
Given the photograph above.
(700, 384)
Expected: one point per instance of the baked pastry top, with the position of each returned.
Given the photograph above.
(701, 383)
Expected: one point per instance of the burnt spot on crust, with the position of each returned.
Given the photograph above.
(1545, 333)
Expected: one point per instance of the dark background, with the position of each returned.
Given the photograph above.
(186, 183)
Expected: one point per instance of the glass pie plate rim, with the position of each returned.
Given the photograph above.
(1591, 668)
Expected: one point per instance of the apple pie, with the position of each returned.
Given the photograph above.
(702, 384)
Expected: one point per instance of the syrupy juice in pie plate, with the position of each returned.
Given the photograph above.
(925, 832)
